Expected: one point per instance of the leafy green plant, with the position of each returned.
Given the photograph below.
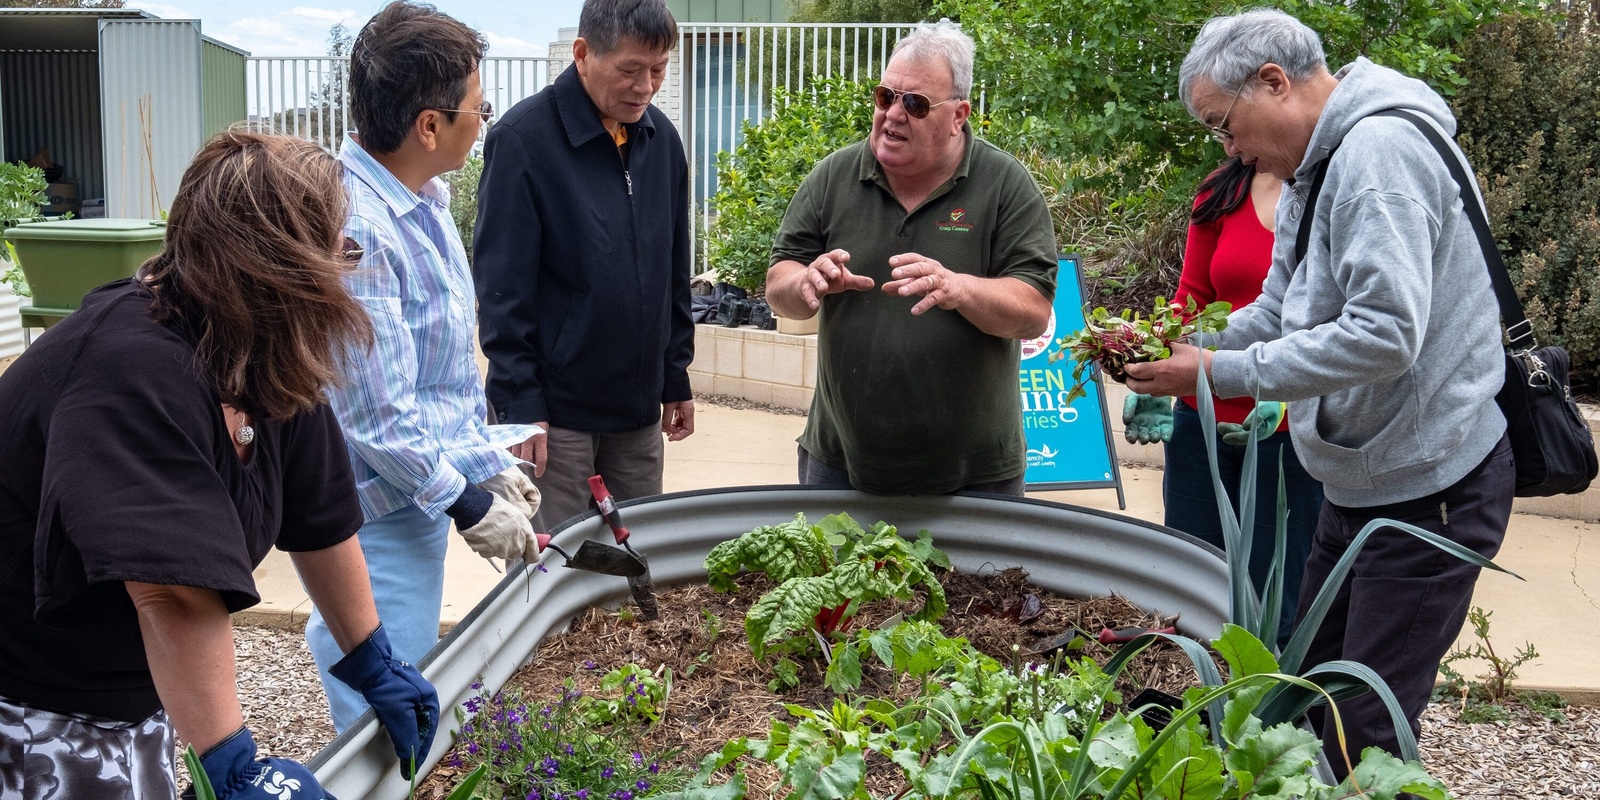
(464, 198)
(756, 181)
(630, 694)
(1484, 699)
(22, 199)
(555, 748)
(1107, 342)
(1529, 119)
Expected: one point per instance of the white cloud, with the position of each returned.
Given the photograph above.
(511, 46)
(300, 31)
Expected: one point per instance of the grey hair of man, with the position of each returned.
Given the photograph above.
(942, 41)
(606, 24)
(1230, 50)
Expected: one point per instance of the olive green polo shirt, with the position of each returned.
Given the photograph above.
(924, 403)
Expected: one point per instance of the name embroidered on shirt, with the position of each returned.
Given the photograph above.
(956, 223)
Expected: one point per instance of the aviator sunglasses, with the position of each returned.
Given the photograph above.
(917, 105)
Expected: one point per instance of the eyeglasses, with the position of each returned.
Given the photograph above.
(485, 110)
(1220, 130)
(917, 105)
(351, 251)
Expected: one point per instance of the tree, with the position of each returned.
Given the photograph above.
(862, 11)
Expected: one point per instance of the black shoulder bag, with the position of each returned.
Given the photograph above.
(1550, 440)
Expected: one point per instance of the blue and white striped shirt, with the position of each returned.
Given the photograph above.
(412, 408)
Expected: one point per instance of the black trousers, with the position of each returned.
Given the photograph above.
(1404, 602)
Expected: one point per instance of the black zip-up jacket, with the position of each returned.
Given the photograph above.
(582, 265)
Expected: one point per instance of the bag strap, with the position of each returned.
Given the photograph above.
(1518, 329)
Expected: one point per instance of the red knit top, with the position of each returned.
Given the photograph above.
(1227, 259)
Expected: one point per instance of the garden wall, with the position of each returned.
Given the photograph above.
(767, 367)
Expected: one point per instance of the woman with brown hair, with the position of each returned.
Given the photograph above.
(158, 442)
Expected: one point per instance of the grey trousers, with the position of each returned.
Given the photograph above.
(630, 462)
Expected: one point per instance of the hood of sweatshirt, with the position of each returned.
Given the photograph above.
(1365, 89)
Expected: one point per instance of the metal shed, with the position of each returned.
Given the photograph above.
(121, 99)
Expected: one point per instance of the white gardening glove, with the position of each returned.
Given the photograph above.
(504, 532)
(513, 486)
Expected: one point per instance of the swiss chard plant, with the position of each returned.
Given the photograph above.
(1108, 341)
(825, 572)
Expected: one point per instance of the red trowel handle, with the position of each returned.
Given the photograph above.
(543, 539)
(608, 508)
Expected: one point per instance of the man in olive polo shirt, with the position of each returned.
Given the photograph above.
(917, 380)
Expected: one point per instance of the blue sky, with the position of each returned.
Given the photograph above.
(300, 27)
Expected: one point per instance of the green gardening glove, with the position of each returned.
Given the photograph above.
(1146, 419)
(1263, 421)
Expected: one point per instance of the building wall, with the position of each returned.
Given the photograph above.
(222, 87)
(730, 10)
(151, 103)
(52, 100)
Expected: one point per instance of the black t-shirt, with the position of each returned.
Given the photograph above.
(117, 466)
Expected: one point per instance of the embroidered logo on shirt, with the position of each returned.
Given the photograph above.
(956, 223)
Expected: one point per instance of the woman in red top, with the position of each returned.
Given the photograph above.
(1227, 257)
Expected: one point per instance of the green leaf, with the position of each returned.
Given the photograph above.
(844, 671)
(202, 781)
(1189, 766)
(1244, 653)
(1381, 776)
(1115, 745)
(463, 791)
(1276, 753)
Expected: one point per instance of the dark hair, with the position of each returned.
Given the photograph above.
(604, 24)
(407, 59)
(251, 273)
(1229, 185)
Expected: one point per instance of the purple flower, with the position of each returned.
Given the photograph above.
(622, 794)
(502, 746)
(551, 766)
(455, 759)
(476, 685)
(534, 795)
(567, 748)
(655, 767)
(643, 786)
(607, 772)
(542, 569)
(472, 748)
(466, 729)
(590, 665)
(638, 758)
(581, 794)
(473, 704)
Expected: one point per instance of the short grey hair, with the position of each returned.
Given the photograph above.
(1229, 50)
(606, 24)
(943, 40)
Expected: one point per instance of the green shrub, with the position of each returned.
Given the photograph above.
(1530, 124)
(21, 198)
(1087, 92)
(756, 181)
(464, 198)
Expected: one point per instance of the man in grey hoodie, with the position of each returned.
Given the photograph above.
(1385, 339)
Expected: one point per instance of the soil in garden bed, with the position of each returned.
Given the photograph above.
(719, 690)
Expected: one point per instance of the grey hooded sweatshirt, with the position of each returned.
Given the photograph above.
(1386, 339)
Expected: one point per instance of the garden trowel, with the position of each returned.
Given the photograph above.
(640, 585)
(593, 556)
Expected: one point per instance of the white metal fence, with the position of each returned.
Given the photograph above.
(720, 77)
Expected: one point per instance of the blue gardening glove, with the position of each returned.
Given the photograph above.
(404, 701)
(1263, 422)
(236, 773)
(1146, 419)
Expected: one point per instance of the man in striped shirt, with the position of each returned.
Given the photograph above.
(412, 408)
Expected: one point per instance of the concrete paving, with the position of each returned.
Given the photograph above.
(1558, 558)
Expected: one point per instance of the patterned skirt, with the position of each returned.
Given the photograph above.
(45, 755)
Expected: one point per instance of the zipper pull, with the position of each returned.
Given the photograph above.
(629, 178)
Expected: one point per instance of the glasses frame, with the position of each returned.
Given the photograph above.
(485, 110)
(904, 99)
(1220, 130)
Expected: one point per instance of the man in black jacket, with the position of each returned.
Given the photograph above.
(581, 258)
